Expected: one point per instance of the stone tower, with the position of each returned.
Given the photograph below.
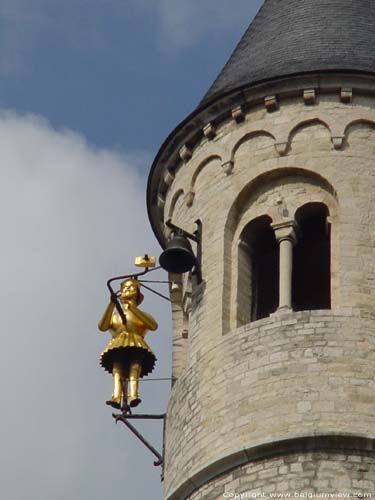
(274, 351)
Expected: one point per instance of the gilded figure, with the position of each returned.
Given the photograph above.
(127, 356)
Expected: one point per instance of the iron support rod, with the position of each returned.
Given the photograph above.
(155, 292)
(140, 416)
(157, 463)
(198, 267)
(113, 294)
(181, 231)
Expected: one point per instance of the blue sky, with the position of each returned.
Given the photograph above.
(89, 89)
(123, 73)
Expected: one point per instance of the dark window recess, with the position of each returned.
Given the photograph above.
(312, 259)
(264, 261)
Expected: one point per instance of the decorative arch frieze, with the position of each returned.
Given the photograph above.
(339, 126)
(364, 118)
(177, 195)
(365, 122)
(302, 125)
(201, 166)
(247, 137)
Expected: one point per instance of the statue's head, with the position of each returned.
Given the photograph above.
(130, 289)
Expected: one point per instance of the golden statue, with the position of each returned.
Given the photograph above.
(127, 356)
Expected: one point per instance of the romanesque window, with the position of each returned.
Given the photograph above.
(259, 280)
(258, 271)
(281, 259)
(311, 282)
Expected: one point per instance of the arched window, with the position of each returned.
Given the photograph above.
(311, 282)
(258, 271)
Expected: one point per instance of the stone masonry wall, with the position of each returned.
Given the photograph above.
(305, 372)
(297, 476)
(332, 141)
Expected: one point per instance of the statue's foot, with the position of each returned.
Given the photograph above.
(135, 402)
(114, 403)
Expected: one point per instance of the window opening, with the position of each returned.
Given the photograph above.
(261, 272)
(311, 281)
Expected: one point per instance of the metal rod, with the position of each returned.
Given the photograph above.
(198, 267)
(114, 295)
(133, 275)
(156, 293)
(114, 299)
(155, 281)
(173, 379)
(163, 452)
(140, 416)
(141, 438)
(170, 224)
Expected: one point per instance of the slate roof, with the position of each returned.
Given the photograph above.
(289, 37)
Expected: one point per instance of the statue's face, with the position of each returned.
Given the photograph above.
(129, 290)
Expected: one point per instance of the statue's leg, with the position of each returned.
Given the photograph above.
(117, 386)
(124, 385)
(134, 374)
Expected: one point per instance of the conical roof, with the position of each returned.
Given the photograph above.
(289, 37)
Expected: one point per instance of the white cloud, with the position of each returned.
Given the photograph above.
(183, 24)
(70, 217)
(26, 25)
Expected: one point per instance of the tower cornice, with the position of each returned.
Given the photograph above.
(180, 145)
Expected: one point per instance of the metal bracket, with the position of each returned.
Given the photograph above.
(124, 417)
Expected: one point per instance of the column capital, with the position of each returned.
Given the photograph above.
(286, 230)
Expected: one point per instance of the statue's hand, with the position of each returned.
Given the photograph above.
(113, 298)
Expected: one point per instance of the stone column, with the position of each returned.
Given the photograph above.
(286, 235)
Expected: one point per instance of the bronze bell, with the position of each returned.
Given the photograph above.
(178, 256)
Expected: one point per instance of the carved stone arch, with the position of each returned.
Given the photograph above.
(327, 198)
(177, 195)
(304, 124)
(247, 137)
(201, 166)
(245, 196)
(311, 120)
(364, 120)
(355, 125)
(260, 197)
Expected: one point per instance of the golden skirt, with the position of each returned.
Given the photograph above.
(126, 348)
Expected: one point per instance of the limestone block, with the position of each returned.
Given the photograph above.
(228, 167)
(238, 114)
(338, 141)
(168, 178)
(209, 131)
(186, 153)
(346, 95)
(271, 103)
(309, 96)
(281, 148)
(189, 198)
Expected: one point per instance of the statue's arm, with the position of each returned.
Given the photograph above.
(146, 318)
(105, 322)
